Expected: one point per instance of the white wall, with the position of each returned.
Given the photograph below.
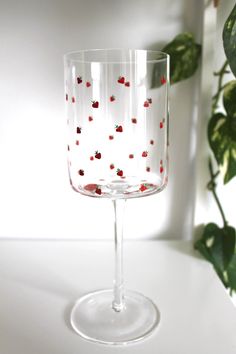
(35, 196)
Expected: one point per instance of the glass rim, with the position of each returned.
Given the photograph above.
(68, 56)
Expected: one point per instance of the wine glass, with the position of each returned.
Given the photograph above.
(117, 117)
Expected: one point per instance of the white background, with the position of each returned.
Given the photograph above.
(35, 197)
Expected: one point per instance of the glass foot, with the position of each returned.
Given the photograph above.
(94, 319)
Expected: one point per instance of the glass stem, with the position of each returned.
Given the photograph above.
(118, 302)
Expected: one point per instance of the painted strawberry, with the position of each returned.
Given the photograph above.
(149, 100)
(112, 98)
(146, 104)
(152, 142)
(143, 188)
(112, 166)
(134, 120)
(73, 99)
(161, 169)
(121, 80)
(91, 158)
(77, 142)
(131, 156)
(148, 169)
(119, 128)
(90, 187)
(144, 154)
(95, 104)
(127, 84)
(88, 84)
(98, 155)
(79, 80)
(163, 80)
(161, 125)
(119, 172)
(78, 130)
(81, 172)
(90, 118)
(111, 137)
(98, 191)
(66, 96)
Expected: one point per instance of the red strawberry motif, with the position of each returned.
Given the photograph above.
(127, 84)
(143, 188)
(77, 142)
(112, 166)
(144, 154)
(81, 172)
(112, 98)
(91, 158)
(90, 118)
(95, 104)
(121, 80)
(161, 169)
(119, 172)
(98, 191)
(134, 120)
(98, 155)
(131, 156)
(73, 99)
(111, 137)
(67, 97)
(119, 128)
(78, 130)
(161, 125)
(90, 187)
(148, 169)
(146, 104)
(163, 80)
(88, 84)
(149, 100)
(152, 142)
(79, 80)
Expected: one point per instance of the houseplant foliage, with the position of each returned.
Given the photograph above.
(184, 58)
(217, 244)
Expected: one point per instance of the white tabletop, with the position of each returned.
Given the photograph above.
(41, 280)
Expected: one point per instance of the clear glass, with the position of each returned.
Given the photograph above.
(117, 149)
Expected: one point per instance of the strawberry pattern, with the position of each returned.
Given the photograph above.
(148, 166)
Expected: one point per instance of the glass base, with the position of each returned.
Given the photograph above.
(94, 319)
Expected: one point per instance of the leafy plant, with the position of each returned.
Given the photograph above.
(217, 244)
(184, 54)
(229, 40)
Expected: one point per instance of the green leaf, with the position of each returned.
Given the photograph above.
(222, 140)
(229, 98)
(228, 234)
(217, 245)
(184, 58)
(231, 273)
(229, 40)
